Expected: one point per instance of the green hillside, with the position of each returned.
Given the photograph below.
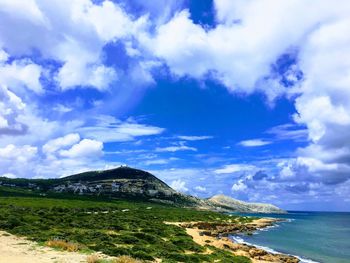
(114, 227)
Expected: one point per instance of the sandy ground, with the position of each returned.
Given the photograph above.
(15, 249)
(222, 243)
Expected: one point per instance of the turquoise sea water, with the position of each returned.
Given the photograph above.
(313, 236)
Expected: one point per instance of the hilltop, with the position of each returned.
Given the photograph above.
(129, 183)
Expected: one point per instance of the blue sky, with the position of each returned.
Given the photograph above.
(246, 98)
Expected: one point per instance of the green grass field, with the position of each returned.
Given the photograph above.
(114, 227)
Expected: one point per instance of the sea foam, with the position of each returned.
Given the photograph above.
(240, 240)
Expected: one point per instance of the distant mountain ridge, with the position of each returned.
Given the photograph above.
(126, 182)
(226, 202)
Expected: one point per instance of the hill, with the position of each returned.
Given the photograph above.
(230, 204)
(129, 183)
(122, 182)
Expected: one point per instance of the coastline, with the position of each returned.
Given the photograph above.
(217, 235)
(270, 250)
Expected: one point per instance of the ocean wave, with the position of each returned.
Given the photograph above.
(267, 228)
(240, 240)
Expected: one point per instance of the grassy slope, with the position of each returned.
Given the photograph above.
(101, 225)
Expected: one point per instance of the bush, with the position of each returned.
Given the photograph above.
(64, 245)
(93, 259)
(126, 259)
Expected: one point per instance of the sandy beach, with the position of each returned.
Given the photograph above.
(205, 237)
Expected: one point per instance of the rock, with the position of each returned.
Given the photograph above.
(256, 252)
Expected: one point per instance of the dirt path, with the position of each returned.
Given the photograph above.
(15, 249)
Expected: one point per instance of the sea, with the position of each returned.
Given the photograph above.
(322, 237)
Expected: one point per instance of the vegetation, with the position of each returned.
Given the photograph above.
(114, 227)
(121, 259)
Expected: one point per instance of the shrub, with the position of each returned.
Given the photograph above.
(126, 259)
(61, 244)
(93, 259)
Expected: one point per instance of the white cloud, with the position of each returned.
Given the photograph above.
(159, 161)
(194, 138)
(21, 154)
(27, 161)
(10, 107)
(70, 32)
(9, 175)
(323, 105)
(61, 142)
(113, 130)
(200, 189)
(318, 112)
(27, 10)
(85, 148)
(289, 131)
(315, 165)
(21, 73)
(239, 186)
(287, 172)
(75, 73)
(3, 56)
(229, 51)
(135, 129)
(179, 185)
(254, 143)
(156, 162)
(62, 108)
(232, 168)
(175, 148)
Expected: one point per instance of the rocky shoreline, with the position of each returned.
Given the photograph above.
(216, 234)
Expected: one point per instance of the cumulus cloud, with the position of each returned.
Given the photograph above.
(10, 107)
(72, 33)
(21, 154)
(61, 142)
(228, 51)
(239, 186)
(21, 73)
(85, 148)
(179, 185)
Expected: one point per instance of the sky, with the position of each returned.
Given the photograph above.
(247, 98)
